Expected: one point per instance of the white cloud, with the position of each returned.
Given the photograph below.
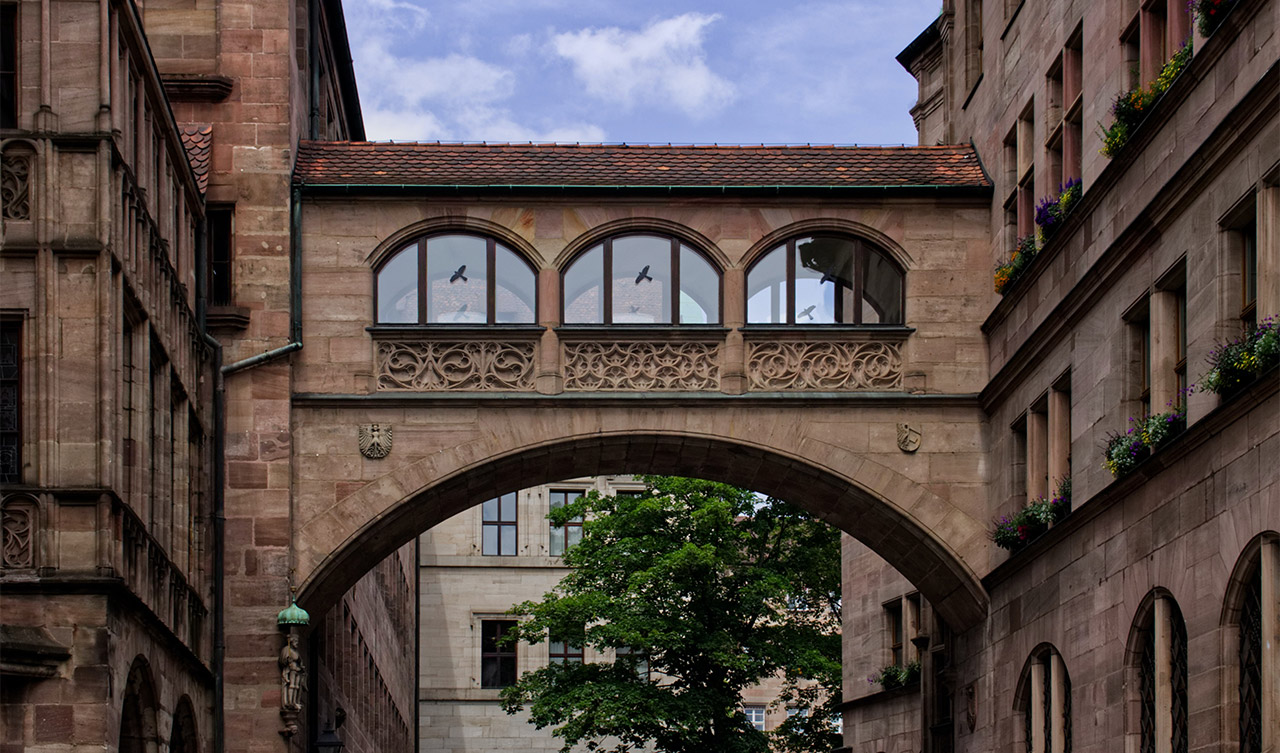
(663, 63)
(407, 95)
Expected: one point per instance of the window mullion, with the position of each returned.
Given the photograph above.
(791, 282)
(607, 283)
(675, 281)
(422, 281)
(491, 281)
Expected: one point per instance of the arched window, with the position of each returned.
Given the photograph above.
(183, 738)
(455, 278)
(1045, 702)
(824, 279)
(1253, 603)
(641, 279)
(138, 711)
(1159, 651)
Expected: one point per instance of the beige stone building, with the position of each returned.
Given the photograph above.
(811, 318)
(474, 567)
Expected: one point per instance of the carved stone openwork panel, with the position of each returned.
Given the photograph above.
(434, 366)
(17, 533)
(15, 184)
(642, 366)
(825, 366)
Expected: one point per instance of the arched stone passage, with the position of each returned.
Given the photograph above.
(905, 523)
(138, 731)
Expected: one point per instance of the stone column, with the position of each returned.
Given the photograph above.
(1162, 635)
(1035, 707)
(1037, 455)
(1057, 703)
(1164, 349)
(1269, 562)
(1059, 438)
(549, 376)
(1268, 241)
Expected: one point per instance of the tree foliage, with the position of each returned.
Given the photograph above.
(716, 590)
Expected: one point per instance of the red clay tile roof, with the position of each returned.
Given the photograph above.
(331, 163)
(198, 138)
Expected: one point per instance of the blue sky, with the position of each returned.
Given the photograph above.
(565, 70)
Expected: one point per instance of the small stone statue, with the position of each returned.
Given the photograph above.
(293, 680)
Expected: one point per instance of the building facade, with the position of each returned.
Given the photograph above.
(246, 358)
(1143, 618)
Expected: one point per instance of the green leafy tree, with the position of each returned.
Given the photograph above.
(712, 590)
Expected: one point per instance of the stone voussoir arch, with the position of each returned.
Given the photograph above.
(827, 225)
(908, 525)
(639, 226)
(460, 223)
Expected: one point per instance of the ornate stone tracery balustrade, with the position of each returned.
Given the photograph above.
(651, 359)
(828, 366)
(642, 366)
(480, 365)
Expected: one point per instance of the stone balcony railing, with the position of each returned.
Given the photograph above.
(759, 358)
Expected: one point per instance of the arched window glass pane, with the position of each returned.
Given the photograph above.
(699, 289)
(457, 289)
(882, 298)
(824, 280)
(767, 289)
(583, 289)
(514, 292)
(398, 288)
(641, 280)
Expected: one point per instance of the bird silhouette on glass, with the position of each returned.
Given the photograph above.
(458, 275)
(635, 309)
(644, 275)
(809, 312)
(463, 310)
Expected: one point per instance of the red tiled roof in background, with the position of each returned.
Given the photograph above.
(198, 140)
(322, 163)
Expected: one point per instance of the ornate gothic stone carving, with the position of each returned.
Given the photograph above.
(17, 534)
(15, 170)
(430, 366)
(827, 366)
(641, 366)
(375, 440)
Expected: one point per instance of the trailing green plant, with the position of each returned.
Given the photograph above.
(1209, 13)
(1123, 452)
(896, 676)
(1013, 532)
(1234, 365)
(1131, 108)
(1008, 272)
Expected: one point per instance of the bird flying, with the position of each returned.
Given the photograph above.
(644, 275)
(458, 275)
(809, 311)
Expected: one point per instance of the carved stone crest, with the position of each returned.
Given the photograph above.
(908, 438)
(375, 440)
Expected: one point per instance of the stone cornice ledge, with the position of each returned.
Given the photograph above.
(1169, 456)
(453, 399)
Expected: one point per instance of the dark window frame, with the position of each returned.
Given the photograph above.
(10, 400)
(419, 243)
(863, 251)
(606, 281)
(9, 43)
(561, 533)
(220, 227)
(496, 660)
(569, 653)
(500, 523)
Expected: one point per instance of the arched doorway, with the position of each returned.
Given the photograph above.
(138, 713)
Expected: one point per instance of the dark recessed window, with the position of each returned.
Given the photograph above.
(456, 279)
(499, 526)
(825, 280)
(221, 226)
(497, 659)
(563, 652)
(10, 401)
(8, 66)
(641, 279)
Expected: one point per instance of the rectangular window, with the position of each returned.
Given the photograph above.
(1138, 319)
(1130, 42)
(640, 658)
(1026, 205)
(10, 401)
(563, 537)
(1073, 104)
(129, 419)
(755, 715)
(1249, 276)
(221, 228)
(497, 659)
(498, 536)
(1152, 39)
(8, 66)
(1053, 123)
(893, 614)
(563, 652)
(973, 52)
